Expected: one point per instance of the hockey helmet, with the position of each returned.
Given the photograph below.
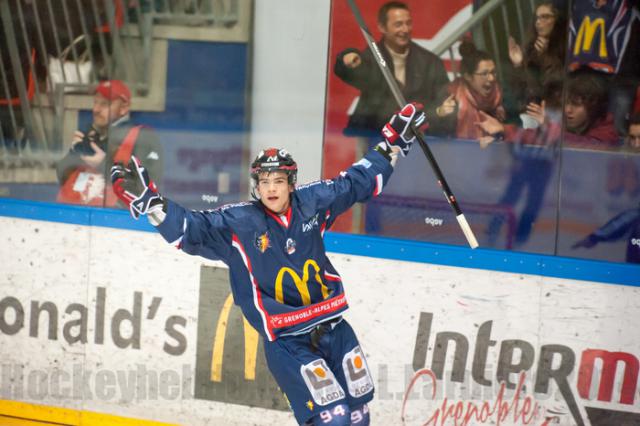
(272, 160)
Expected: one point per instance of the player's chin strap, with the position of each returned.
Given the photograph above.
(253, 191)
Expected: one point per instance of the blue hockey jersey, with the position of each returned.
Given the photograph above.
(280, 274)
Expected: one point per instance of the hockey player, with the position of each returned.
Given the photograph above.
(280, 274)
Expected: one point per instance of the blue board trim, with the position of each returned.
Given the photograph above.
(364, 245)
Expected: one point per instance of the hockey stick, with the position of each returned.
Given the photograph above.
(397, 94)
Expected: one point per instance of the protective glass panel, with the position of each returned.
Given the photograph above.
(529, 106)
(599, 216)
(78, 73)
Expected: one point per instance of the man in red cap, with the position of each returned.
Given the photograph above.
(111, 137)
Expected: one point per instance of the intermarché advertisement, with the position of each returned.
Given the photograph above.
(593, 385)
(444, 349)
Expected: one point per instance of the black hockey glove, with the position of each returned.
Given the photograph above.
(135, 188)
(397, 132)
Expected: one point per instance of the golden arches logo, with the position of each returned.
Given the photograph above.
(251, 336)
(301, 283)
(587, 33)
(250, 344)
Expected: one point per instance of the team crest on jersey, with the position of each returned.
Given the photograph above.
(262, 242)
(290, 247)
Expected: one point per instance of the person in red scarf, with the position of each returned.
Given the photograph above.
(475, 92)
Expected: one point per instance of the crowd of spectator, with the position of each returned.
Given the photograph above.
(572, 82)
(574, 78)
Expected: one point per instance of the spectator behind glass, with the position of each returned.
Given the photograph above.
(632, 140)
(472, 96)
(420, 74)
(587, 121)
(533, 152)
(623, 171)
(542, 60)
(111, 137)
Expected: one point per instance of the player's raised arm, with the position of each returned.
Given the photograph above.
(398, 136)
(137, 191)
(366, 178)
(201, 233)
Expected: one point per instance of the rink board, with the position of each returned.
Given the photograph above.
(107, 320)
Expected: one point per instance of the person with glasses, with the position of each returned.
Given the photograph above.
(541, 62)
(475, 93)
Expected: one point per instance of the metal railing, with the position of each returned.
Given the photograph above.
(490, 26)
(50, 48)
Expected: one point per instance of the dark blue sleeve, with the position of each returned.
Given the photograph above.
(617, 227)
(203, 233)
(362, 181)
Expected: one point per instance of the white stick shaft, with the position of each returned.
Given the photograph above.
(467, 231)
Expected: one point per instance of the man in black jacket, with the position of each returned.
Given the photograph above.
(421, 74)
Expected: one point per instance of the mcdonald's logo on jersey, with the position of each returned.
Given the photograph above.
(301, 283)
(587, 32)
(230, 363)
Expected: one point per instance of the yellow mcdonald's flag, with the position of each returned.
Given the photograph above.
(587, 33)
